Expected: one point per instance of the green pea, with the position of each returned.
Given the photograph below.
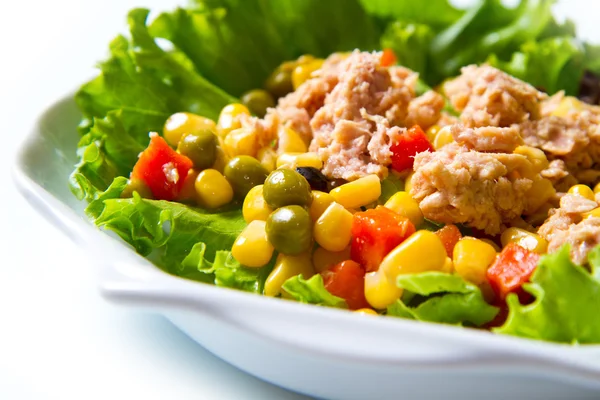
(279, 83)
(258, 101)
(285, 187)
(244, 172)
(200, 147)
(289, 230)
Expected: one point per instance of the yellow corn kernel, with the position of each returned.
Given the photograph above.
(526, 239)
(582, 191)
(366, 311)
(293, 160)
(472, 258)
(221, 160)
(321, 201)
(566, 106)
(252, 247)
(332, 231)
(491, 243)
(597, 188)
(285, 268)
(188, 190)
(182, 123)
(408, 182)
(289, 141)
(432, 132)
(405, 205)
(536, 156)
(448, 266)
(267, 158)
(324, 259)
(540, 192)
(255, 207)
(380, 292)
(212, 189)
(442, 138)
(241, 142)
(595, 213)
(229, 119)
(422, 251)
(304, 71)
(358, 193)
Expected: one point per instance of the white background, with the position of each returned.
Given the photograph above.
(58, 338)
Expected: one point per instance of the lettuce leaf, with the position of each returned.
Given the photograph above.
(236, 44)
(439, 297)
(567, 299)
(390, 186)
(410, 43)
(312, 291)
(436, 13)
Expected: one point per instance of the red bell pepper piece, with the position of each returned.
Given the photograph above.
(450, 235)
(162, 169)
(411, 142)
(375, 233)
(388, 58)
(347, 280)
(513, 267)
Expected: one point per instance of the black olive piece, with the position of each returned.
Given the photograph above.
(336, 183)
(589, 88)
(315, 178)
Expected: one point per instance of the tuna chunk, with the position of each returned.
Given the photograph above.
(482, 190)
(566, 225)
(488, 139)
(487, 96)
(368, 107)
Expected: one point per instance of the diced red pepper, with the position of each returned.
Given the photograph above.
(409, 144)
(162, 169)
(513, 267)
(375, 233)
(388, 58)
(347, 280)
(450, 235)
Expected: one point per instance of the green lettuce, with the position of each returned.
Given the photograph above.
(567, 299)
(410, 43)
(437, 14)
(312, 291)
(390, 186)
(440, 297)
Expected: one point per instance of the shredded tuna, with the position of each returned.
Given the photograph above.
(558, 174)
(458, 185)
(425, 110)
(566, 226)
(488, 139)
(487, 96)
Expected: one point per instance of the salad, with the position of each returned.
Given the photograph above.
(431, 163)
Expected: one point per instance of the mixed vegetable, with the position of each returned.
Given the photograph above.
(174, 159)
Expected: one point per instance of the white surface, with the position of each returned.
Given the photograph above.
(59, 339)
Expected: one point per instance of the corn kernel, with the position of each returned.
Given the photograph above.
(566, 106)
(321, 201)
(472, 258)
(212, 189)
(358, 193)
(422, 251)
(289, 141)
(366, 311)
(241, 142)
(188, 190)
(493, 244)
(408, 182)
(379, 291)
(293, 160)
(448, 267)
(405, 205)
(183, 123)
(267, 158)
(432, 132)
(285, 268)
(229, 119)
(597, 188)
(304, 71)
(221, 160)
(582, 191)
(332, 231)
(595, 213)
(255, 206)
(324, 259)
(252, 247)
(442, 138)
(540, 192)
(528, 240)
(536, 156)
